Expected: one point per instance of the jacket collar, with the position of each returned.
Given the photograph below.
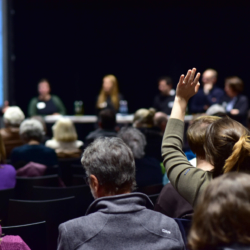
(123, 203)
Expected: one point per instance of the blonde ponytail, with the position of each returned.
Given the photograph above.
(241, 150)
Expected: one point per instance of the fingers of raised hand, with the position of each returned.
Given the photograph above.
(192, 75)
(196, 80)
(186, 79)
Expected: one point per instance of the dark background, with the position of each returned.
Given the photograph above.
(75, 43)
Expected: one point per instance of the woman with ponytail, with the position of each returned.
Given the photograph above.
(227, 145)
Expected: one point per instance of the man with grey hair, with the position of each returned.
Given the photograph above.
(31, 132)
(12, 118)
(148, 169)
(117, 219)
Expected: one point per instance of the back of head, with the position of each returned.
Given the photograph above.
(160, 118)
(111, 161)
(135, 140)
(144, 118)
(31, 129)
(235, 83)
(227, 146)
(13, 116)
(216, 110)
(196, 134)
(222, 213)
(64, 131)
(107, 119)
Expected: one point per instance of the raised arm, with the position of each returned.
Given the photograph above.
(186, 179)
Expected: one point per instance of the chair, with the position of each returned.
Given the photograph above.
(153, 198)
(149, 190)
(82, 194)
(78, 180)
(33, 235)
(23, 189)
(184, 226)
(54, 212)
(5, 195)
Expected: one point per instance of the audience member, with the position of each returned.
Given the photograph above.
(41, 119)
(144, 121)
(31, 132)
(209, 95)
(165, 99)
(221, 219)
(12, 118)
(170, 202)
(106, 124)
(216, 110)
(45, 103)
(7, 172)
(64, 140)
(235, 103)
(109, 96)
(160, 121)
(148, 170)
(117, 219)
(227, 145)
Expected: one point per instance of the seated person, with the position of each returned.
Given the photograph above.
(208, 95)
(148, 170)
(144, 121)
(234, 102)
(45, 103)
(117, 219)
(64, 140)
(106, 124)
(165, 99)
(7, 172)
(12, 118)
(31, 132)
(160, 121)
(221, 217)
(170, 202)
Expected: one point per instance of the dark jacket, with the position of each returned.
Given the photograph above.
(120, 222)
(200, 100)
(164, 103)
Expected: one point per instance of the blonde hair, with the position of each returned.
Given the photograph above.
(144, 118)
(64, 131)
(114, 93)
(13, 116)
(2, 151)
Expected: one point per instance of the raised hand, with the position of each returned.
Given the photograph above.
(188, 85)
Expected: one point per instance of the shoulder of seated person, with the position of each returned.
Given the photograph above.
(51, 143)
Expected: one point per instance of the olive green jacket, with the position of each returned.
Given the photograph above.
(32, 110)
(187, 180)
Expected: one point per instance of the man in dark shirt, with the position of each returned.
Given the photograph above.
(164, 101)
(208, 95)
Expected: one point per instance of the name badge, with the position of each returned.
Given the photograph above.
(170, 104)
(41, 105)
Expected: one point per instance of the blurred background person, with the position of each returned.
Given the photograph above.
(221, 217)
(12, 118)
(160, 121)
(106, 126)
(109, 96)
(144, 121)
(234, 102)
(208, 95)
(31, 132)
(165, 99)
(64, 140)
(41, 119)
(45, 103)
(148, 169)
(7, 172)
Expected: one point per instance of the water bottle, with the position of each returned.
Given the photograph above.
(78, 107)
(123, 109)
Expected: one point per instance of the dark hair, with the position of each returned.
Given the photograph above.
(222, 213)
(111, 161)
(168, 80)
(107, 118)
(196, 134)
(227, 146)
(235, 83)
(44, 80)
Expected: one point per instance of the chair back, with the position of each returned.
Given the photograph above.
(23, 189)
(153, 198)
(5, 195)
(82, 194)
(54, 212)
(34, 235)
(78, 180)
(149, 190)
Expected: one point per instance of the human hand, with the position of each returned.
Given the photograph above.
(5, 106)
(234, 112)
(207, 87)
(188, 85)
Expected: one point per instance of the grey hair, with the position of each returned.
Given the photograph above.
(135, 140)
(111, 161)
(13, 116)
(31, 129)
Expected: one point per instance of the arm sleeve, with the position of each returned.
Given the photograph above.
(62, 242)
(59, 104)
(32, 107)
(186, 179)
(243, 109)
